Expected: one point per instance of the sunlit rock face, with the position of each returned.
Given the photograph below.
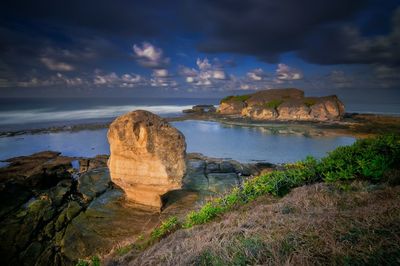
(147, 157)
(284, 105)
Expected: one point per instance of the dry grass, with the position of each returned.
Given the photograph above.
(313, 225)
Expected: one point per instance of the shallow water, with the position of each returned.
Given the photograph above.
(213, 139)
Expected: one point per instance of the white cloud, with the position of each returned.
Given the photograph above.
(160, 72)
(150, 56)
(286, 73)
(56, 66)
(206, 75)
(218, 74)
(113, 80)
(203, 64)
(256, 74)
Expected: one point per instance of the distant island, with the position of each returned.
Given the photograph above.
(283, 104)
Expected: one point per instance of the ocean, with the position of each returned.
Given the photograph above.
(210, 138)
(32, 113)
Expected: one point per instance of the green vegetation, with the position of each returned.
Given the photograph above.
(274, 104)
(309, 102)
(165, 228)
(235, 98)
(94, 261)
(372, 160)
(124, 250)
(367, 159)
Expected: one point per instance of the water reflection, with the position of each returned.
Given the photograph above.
(245, 144)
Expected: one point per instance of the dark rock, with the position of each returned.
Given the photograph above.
(93, 183)
(226, 167)
(58, 192)
(200, 109)
(222, 182)
(87, 164)
(212, 167)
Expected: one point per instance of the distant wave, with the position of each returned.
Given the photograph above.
(98, 112)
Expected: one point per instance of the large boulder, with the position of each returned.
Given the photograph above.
(147, 157)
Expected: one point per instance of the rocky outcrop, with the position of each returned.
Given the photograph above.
(284, 105)
(84, 214)
(147, 157)
(201, 109)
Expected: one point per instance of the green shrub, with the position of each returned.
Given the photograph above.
(236, 98)
(309, 102)
(368, 159)
(94, 261)
(274, 104)
(165, 228)
(124, 250)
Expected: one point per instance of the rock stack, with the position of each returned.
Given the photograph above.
(284, 105)
(147, 157)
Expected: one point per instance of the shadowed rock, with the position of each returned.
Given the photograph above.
(147, 157)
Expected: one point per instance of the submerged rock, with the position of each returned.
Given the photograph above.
(147, 157)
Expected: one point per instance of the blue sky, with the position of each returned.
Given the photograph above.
(198, 48)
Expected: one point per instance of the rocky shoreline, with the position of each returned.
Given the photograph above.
(54, 213)
(353, 124)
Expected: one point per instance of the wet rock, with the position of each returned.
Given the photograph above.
(222, 182)
(212, 167)
(105, 222)
(87, 164)
(147, 157)
(13, 196)
(40, 170)
(93, 183)
(226, 167)
(195, 181)
(58, 193)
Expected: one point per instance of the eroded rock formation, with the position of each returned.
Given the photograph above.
(283, 104)
(147, 157)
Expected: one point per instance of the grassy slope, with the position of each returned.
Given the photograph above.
(322, 224)
(315, 224)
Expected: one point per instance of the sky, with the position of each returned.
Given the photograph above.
(199, 48)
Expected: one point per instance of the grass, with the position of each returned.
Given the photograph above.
(94, 261)
(325, 226)
(274, 104)
(367, 159)
(235, 98)
(310, 102)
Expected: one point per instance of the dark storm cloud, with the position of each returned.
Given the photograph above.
(346, 45)
(265, 28)
(116, 17)
(323, 32)
(47, 36)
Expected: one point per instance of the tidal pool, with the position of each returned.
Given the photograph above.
(245, 144)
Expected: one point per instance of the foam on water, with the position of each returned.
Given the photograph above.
(48, 115)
